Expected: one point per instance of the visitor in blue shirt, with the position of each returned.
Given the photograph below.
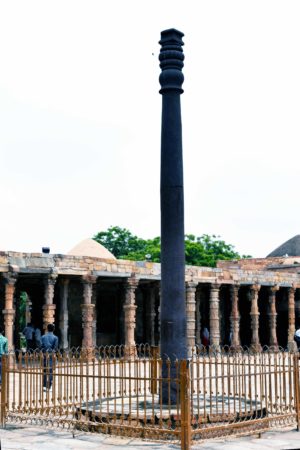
(3, 348)
(49, 345)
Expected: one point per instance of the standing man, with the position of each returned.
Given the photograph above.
(3, 349)
(29, 336)
(49, 345)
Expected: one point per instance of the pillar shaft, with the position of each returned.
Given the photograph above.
(198, 319)
(87, 309)
(291, 317)
(129, 315)
(64, 313)
(297, 309)
(254, 313)
(235, 317)
(214, 317)
(190, 316)
(272, 313)
(49, 307)
(173, 310)
(9, 311)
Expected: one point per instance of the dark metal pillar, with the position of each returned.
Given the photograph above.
(173, 310)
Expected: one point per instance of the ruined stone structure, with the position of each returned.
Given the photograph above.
(97, 301)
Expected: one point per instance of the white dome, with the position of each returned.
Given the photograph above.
(89, 247)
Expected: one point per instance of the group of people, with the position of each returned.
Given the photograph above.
(48, 344)
(33, 337)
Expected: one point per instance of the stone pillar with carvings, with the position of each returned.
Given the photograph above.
(94, 302)
(272, 313)
(292, 346)
(87, 309)
(151, 315)
(9, 310)
(129, 315)
(198, 318)
(28, 309)
(190, 316)
(64, 313)
(214, 316)
(49, 307)
(235, 317)
(254, 314)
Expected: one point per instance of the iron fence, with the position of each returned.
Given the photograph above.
(110, 389)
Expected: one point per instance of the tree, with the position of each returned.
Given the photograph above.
(204, 250)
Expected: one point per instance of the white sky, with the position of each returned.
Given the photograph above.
(80, 120)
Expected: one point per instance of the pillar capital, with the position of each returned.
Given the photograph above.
(215, 286)
(10, 278)
(273, 289)
(88, 279)
(291, 290)
(255, 288)
(235, 287)
(171, 59)
(131, 283)
(50, 280)
(191, 285)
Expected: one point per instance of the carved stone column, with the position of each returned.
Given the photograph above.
(9, 311)
(87, 309)
(198, 318)
(214, 317)
(254, 313)
(235, 317)
(49, 307)
(151, 316)
(292, 346)
(190, 316)
(94, 302)
(129, 315)
(297, 310)
(28, 309)
(64, 313)
(273, 317)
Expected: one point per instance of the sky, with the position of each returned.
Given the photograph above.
(80, 119)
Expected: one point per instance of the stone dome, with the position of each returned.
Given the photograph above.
(89, 247)
(290, 248)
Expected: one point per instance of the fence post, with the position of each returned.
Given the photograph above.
(297, 388)
(185, 405)
(3, 389)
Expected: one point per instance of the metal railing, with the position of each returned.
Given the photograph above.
(136, 393)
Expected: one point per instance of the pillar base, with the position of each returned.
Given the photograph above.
(256, 348)
(292, 346)
(130, 351)
(274, 347)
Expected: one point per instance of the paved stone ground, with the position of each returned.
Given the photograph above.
(36, 438)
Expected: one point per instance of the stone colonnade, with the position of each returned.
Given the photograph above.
(129, 310)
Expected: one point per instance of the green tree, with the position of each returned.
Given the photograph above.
(204, 250)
